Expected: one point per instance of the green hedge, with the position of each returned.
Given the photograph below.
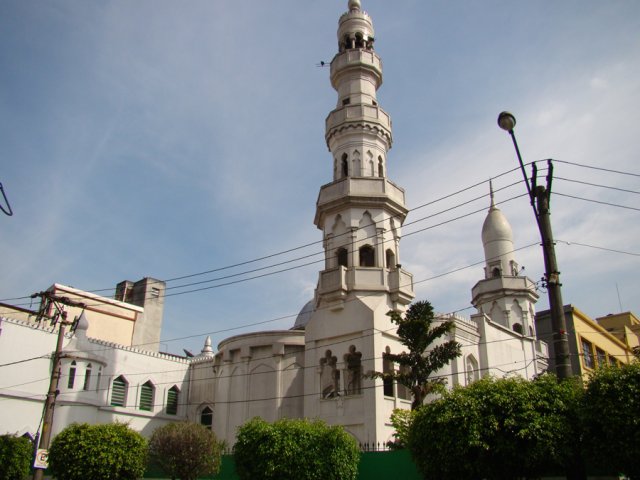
(295, 450)
(112, 451)
(16, 454)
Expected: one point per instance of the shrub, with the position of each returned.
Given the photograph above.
(612, 420)
(16, 454)
(112, 451)
(185, 450)
(401, 421)
(295, 450)
(503, 428)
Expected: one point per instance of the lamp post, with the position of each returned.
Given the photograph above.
(539, 198)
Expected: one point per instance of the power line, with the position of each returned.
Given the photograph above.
(593, 167)
(265, 257)
(597, 201)
(609, 187)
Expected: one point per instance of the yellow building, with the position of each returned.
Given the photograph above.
(606, 340)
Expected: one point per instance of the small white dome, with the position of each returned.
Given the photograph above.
(496, 227)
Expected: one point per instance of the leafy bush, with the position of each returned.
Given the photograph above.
(185, 450)
(112, 451)
(401, 421)
(612, 420)
(508, 428)
(295, 450)
(15, 457)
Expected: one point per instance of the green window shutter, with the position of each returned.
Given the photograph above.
(119, 392)
(146, 396)
(172, 401)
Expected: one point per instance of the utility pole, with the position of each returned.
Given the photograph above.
(539, 196)
(50, 402)
(552, 277)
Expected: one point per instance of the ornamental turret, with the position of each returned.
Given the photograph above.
(505, 294)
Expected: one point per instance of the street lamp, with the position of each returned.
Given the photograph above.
(539, 197)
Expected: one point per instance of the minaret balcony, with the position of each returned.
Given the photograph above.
(360, 186)
(367, 192)
(356, 58)
(336, 283)
(361, 115)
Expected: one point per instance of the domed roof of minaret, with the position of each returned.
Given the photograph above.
(355, 22)
(496, 227)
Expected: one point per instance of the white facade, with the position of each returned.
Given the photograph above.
(317, 369)
(88, 370)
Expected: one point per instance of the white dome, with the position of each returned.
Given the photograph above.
(496, 227)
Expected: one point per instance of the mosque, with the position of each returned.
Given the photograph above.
(315, 369)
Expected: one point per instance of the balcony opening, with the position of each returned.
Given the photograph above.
(367, 256)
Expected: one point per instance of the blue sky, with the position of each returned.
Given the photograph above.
(167, 138)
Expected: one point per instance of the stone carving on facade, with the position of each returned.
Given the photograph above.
(329, 375)
(353, 361)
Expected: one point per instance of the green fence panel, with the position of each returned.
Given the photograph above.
(385, 465)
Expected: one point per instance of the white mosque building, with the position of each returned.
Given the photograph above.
(315, 369)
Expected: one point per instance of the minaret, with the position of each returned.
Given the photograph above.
(360, 214)
(504, 295)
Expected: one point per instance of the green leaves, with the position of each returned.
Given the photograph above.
(110, 452)
(507, 428)
(612, 419)
(418, 330)
(15, 457)
(295, 450)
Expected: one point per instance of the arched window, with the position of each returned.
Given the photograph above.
(495, 272)
(72, 375)
(517, 327)
(473, 372)
(173, 395)
(345, 165)
(342, 255)
(380, 168)
(206, 417)
(87, 377)
(367, 256)
(119, 392)
(146, 396)
(391, 258)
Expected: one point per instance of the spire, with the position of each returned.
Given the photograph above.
(493, 205)
(207, 351)
(354, 5)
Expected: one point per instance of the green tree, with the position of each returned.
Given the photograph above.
(16, 454)
(111, 451)
(295, 450)
(418, 330)
(498, 429)
(185, 450)
(612, 420)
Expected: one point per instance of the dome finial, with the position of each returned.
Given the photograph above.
(354, 5)
(493, 204)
